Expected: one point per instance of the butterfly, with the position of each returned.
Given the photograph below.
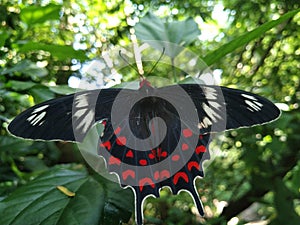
(152, 137)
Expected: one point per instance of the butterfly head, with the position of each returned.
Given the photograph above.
(145, 84)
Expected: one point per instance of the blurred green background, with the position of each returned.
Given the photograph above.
(45, 50)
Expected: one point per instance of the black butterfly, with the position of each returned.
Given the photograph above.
(188, 114)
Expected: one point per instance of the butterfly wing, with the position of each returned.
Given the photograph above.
(221, 108)
(217, 108)
(175, 162)
(67, 118)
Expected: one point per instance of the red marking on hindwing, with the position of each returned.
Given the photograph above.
(151, 156)
(128, 173)
(157, 154)
(143, 162)
(156, 175)
(114, 161)
(160, 175)
(192, 164)
(200, 149)
(184, 147)
(200, 136)
(106, 145)
(129, 154)
(121, 141)
(179, 175)
(175, 157)
(164, 174)
(187, 133)
(145, 181)
(164, 154)
(117, 131)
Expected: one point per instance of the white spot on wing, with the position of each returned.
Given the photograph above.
(36, 118)
(40, 109)
(84, 115)
(249, 97)
(211, 113)
(254, 105)
(210, 93)
(81, 101)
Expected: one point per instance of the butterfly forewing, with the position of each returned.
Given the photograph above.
(67, 118)
(227, 108)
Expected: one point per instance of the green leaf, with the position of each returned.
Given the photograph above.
(62, 89)
(34, 163)
(28, 68)
(41, 202)
(62, 52)
(284, 204)
(3, 36)
(119, 202)
(155, 31)
(39, 14)
(191, 80)
(214, 56)
(41, 93)
(20, 85)
(14, 144)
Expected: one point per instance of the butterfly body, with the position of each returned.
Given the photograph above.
(153, 137)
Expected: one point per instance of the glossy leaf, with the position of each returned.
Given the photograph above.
(153, 29)
(40, 202)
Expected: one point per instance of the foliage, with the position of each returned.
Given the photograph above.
(43, 45)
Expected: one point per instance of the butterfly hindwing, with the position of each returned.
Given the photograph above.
(132, 165)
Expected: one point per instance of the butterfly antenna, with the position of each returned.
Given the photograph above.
(133, 67)
(163, 52)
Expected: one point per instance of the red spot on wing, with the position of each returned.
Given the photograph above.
(129, 154)
(187, 133)
(121, 141)
(200, 136)
(184, 147)
(152, 154)
(143, 162)
(114, 161)
(146, 181)
(160, 175)
(157, 154)
(181, 175)
(156, 175)
(200, 149)
(106, 145)
(128, 173)
(117, 131)
(103, 122)
(164, 154)
(192, 164)
(175, 157)
(164, 174)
